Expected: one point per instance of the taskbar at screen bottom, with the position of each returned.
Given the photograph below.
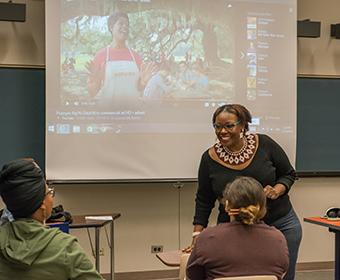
(113, 128)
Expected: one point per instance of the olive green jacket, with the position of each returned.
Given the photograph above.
(32, 251)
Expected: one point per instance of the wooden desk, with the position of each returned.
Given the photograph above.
(79, 221)
(171, 258)
(333, 226)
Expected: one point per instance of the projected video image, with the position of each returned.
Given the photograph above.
(120, 55)
(131, 85)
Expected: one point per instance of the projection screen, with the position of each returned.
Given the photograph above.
(118, 104)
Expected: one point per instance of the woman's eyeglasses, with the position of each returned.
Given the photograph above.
(228, 127)
(51, 191)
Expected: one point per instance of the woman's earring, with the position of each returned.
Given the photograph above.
(241, 134)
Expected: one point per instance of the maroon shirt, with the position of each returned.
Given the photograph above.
(235, 249)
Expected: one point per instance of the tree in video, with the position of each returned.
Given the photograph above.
(105, 55)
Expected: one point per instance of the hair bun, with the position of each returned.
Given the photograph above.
(249, 214)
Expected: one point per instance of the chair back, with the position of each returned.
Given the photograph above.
(63, 226)
(256, 277)
(183, 267)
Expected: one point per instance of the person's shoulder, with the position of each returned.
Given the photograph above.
(136, 56)
(64, 238)
(62, 241)
(274, 237)
(222, 228)
(205, 159)
(100, 56)
(134, 53)
(159, 76)
(206, 155)
(267, 142)
(209, 231)
(271, 230)
(263, 136)
(102, 52)
(265, 139)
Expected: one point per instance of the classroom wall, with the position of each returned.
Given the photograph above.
(319, 56)
(23, 43)
(150, 211)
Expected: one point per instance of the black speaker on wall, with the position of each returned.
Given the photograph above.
(335, 31)
(12, 12)
(308, 29)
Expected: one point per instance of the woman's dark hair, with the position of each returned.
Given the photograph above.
(238, 110)
(114, 17)
(22, 187)
(247, 195)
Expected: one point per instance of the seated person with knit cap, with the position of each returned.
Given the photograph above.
(243, 247)
(28, 249)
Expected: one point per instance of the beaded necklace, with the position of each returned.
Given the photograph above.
(242, 156)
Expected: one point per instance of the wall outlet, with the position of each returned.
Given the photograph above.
(156, 249)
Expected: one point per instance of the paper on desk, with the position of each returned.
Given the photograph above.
(98, 218)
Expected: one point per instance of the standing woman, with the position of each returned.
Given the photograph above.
(239, 153)
(116, 69)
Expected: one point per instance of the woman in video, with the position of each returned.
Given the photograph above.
(116, 71)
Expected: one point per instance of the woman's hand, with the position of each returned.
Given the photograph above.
(189, 248)
(97, 77)
(148, 71)
(274, 192)
(197, 230)
(94, 72)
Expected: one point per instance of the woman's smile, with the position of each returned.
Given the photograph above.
(230, 139)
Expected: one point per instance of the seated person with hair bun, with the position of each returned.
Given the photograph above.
(29, 250)
(244, 247)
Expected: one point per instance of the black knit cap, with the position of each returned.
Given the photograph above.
(22, 187)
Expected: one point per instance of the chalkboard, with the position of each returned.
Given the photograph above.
(318, 118)
(22, 107)
(22, 111)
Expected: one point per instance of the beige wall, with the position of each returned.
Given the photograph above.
(150, 211)
(319, 56)
(23, 43)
